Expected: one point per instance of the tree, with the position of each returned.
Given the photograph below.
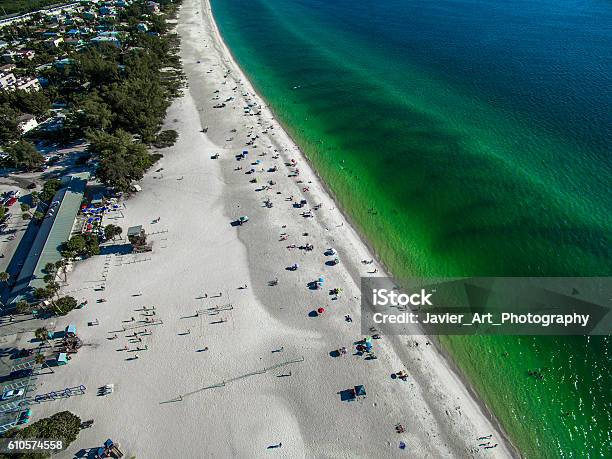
(24, 155)
(60, 265)
(41, 334)
(139, 104)
(112, 231)
(23, 307)
(98, 66)
(53, 287)
(75, 245)
(38, 215)
(24, 207)
(92, 113)
(79, 244)
(92, 245)
(63, 426)
(34, 102)
(65, 304)
(9, 124)
(43, 293)
(121, 159)
(49, 189)
(166, 138)
(50, 268)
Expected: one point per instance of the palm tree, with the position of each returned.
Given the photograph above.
(35, 198)
(41, 334)
(4, 276)
(50, 268)
(60, 265)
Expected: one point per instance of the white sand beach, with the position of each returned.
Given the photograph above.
(157, 409)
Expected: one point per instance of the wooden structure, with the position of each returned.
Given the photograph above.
(138, 238)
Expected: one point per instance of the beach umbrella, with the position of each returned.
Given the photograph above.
(320, 280)
(320, 310)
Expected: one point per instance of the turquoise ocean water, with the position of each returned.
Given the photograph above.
(463, 138)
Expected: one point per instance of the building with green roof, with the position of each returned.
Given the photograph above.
(54, 230)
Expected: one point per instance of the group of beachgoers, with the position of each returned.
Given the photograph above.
(259, 171)
(135, 328)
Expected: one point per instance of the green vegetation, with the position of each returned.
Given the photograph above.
(3, 213)
(34, 102)
(8, 7)
(41, 334)
(64, 305)
(115, 95)
(166, 138)
(84, 245)
(64, 426)
(23, 155)
(111, 232)
(9, 129)
(121, 160)
(49, 189)
(23, 307)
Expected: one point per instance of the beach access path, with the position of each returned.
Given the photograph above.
(228, 371)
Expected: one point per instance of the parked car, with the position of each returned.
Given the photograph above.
(24, 416)
(8, 394)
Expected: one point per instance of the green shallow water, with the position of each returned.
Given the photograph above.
(463, 138)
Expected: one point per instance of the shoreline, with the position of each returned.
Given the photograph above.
(253, 366)
(444, 353)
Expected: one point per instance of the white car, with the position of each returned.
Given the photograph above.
(12, 393)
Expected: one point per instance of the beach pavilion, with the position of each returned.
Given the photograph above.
(54, 230)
